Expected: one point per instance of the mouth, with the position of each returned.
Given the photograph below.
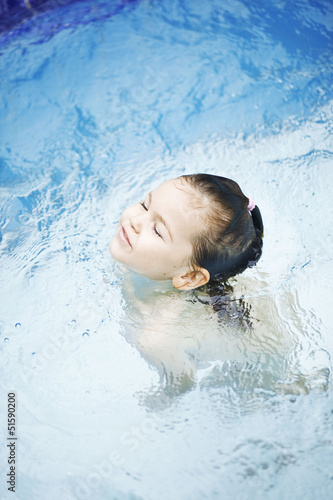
(124, 236)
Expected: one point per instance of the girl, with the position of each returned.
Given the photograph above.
(200, 230)
(194, 230)
(190, 230)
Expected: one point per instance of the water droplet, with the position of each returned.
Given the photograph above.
(6, 339)
(85, 334)
(91, 186)
(17, 325)
(23, 217)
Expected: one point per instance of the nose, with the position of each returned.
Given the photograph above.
(136, 222)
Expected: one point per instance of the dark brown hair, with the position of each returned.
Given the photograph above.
(232, 239)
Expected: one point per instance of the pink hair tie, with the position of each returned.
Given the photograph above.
(251, 205)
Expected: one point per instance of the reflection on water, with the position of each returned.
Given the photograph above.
(220, 340)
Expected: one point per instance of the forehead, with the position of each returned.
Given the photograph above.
(173, 200)
(173, 189)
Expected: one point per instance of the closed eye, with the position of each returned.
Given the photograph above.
(156, 232)
(142, 203)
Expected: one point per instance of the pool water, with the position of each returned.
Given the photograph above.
(100, 103)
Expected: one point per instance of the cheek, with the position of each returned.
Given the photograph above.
(149, 249)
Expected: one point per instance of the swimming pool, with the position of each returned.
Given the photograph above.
(100, 102)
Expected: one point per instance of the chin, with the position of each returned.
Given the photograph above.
(113, 250)
(117, 253)
(110, 247)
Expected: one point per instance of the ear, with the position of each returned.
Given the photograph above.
(192, 279)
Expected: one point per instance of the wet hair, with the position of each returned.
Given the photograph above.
(232, 239)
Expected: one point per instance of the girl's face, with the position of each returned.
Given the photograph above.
(153, 236)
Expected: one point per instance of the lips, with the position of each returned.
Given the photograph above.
(124, 237)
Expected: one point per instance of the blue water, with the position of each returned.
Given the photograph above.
(100, 102)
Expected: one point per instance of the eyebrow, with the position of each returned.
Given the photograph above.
(159, 217)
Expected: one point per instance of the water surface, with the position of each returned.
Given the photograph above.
(100, 103)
